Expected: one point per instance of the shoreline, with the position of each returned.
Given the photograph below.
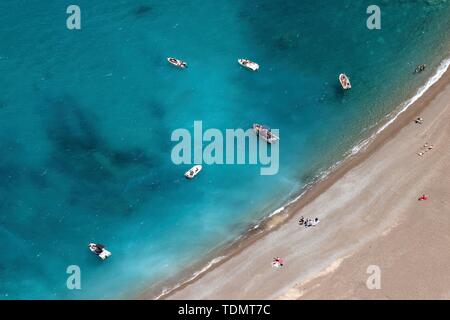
(389, 127)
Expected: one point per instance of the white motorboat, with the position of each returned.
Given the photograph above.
(178, 63)
(99, 250)
(345, 81)
(265, 133)
(191, 173)
(249, 64)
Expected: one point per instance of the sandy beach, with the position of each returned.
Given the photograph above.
(370, 216)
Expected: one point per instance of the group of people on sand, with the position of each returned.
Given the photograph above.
(420, 68)
(277, 262)
(308, 222)
(419, 120)
(426, 147)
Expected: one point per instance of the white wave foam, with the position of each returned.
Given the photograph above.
(194, 276)
(276, 211)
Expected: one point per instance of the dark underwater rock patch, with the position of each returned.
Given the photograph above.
(142, 10)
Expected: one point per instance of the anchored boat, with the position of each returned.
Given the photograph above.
(178, 63)
(249, 64)
(99, 250)
(191, 173)
(265, 133)
(345, 81)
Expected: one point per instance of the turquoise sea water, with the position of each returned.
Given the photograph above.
(86, 118)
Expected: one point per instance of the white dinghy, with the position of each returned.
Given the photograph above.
(249, 64)
(191, 173)
(99, 250)
(345, 81)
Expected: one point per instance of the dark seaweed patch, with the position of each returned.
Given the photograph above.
(125, 158)
(307, 177)
(9, 174)
(96, 172)
(11, 177)
(39, 179)
(157, 111)
(286, 41)
(142, 10)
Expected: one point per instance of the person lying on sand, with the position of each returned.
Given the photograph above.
(423, 198)
(311, 222)
(419, 120)
(427, 147)
(301, 221)
(277, 262)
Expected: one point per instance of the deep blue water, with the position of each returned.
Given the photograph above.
(86, 118)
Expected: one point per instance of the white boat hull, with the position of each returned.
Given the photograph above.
(191, 173)
(265, 133)
(102, 255)
(249, 64)
(105, 254)
(345, 81)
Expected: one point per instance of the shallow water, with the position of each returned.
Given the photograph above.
(86, 118)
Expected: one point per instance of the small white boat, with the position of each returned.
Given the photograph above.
(178, 63)
(99, 250)
(249, 64)
(265, 133)
(191, 173)
(345, 81)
